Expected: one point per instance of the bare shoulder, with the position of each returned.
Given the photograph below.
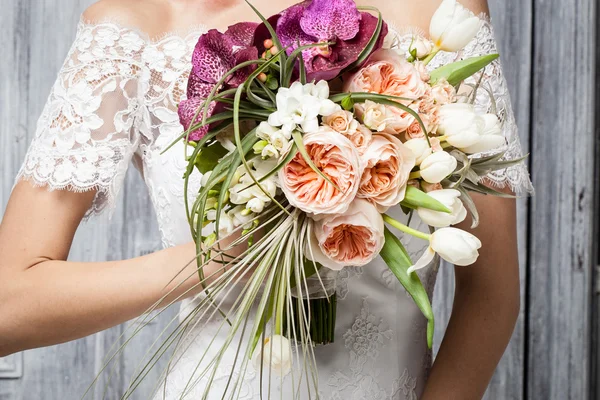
(145, 15)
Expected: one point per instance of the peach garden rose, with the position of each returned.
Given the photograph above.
(336, 156)
(353, 238)
(388, 163)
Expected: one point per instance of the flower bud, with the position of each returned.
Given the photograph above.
(455, 246)
(451, 199)
(421, 47)
(453, 26)
(460, 125)
(437, 166)
(256, 205)
(420, 148)
(276, 355)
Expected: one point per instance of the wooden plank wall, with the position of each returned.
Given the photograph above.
(548, 51)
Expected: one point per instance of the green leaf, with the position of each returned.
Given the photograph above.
(458, 71)
(372, 41)
(417, 198)
(209, 157)
(347, 103)
(398, 261)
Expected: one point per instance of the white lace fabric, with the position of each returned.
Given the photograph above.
(115, 99)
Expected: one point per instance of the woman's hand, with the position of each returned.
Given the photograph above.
(486, 307)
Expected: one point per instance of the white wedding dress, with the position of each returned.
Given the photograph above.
(114, 103)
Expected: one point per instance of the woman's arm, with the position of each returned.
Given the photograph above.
(486, 307)
(46, 300)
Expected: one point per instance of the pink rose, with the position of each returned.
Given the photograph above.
(361, 138)
(341, 121)
(353, 238)
(443, 92)
(334, 155)
(388, 163)
(388, 73)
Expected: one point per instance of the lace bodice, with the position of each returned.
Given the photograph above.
(114, 104)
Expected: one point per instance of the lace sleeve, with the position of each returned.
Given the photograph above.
(492, 96)
(86, 135)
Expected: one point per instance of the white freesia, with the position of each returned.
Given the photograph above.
(491, 138)
(300, 105)
(226, 223)
(420, 148)
(437, 166)
(460, 125)
(453, 26)
(276, 355)
(421, 46)
(449, 198)
(453, 245)
(256, 205)
(269, 151)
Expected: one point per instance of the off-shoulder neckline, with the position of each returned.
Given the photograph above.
(195, 31)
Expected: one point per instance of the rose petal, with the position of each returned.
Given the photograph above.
(327, 19)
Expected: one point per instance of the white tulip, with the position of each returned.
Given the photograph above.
(420, 149)
(453, 26)
(437, 166)
(453, 245)
(276, 355)
(438, 219)
(491, 138)
(460, 125)
(421, 46)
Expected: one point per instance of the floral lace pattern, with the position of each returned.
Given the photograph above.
(115, 100)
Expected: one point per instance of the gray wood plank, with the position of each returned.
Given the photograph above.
(560, 249)
(513, 27)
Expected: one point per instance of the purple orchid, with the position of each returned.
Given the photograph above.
(322, 21)
(215, 54)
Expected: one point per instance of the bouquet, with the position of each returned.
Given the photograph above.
(307, 130)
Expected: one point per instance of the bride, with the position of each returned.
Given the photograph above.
(114, 103)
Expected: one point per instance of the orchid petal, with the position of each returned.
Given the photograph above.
(242, 33)
(243, 55)
(213, 56)
(331, 19)
(289, 30)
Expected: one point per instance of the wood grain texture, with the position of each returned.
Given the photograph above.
(548, 51)
(561, 216)
(513, 28)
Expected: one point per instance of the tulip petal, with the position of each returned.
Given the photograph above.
(441, 19)
(457, 37)
(424, 261)
(327, 19)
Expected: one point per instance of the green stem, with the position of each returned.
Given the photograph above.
(428, 59)
(415, 175)
(401, 227)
